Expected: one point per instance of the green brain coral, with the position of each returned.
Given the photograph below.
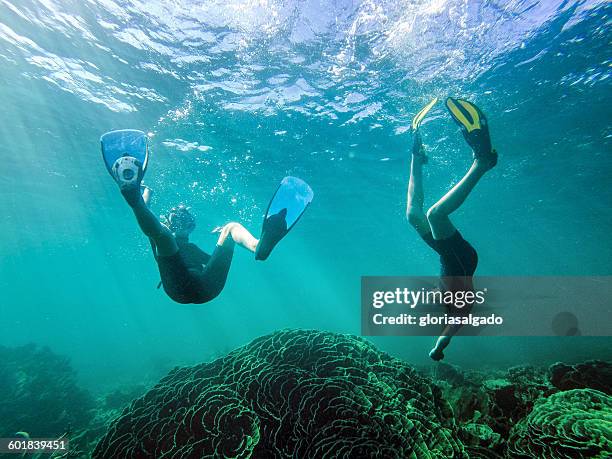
(575, 423)
(294, 393)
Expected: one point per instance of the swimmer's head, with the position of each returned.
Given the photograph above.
(180, 221)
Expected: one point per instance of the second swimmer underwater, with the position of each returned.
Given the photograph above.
(189, 274)
(458, 258)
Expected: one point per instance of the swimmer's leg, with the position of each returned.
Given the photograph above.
(438, 214)
(212, 279)
(414, 202)
(437, 353)
(150, 225)
(239, 234)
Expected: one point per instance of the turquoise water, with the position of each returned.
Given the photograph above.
(235, 96)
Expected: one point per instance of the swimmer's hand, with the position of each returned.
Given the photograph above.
(436, 354)
(224, 231)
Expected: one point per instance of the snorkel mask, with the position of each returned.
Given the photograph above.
(180, 221)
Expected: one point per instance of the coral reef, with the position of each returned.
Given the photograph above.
(486, 404)
(294, 393)
(39, 393)
(513, 395)
(576, 423)
(594, 374)
(108, 408)
(512, 413)
(300, 393)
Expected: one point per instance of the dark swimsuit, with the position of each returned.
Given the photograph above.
(193, 276)
(458, 261)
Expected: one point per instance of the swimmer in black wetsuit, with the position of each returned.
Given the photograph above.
(188, 274)
(458, 258)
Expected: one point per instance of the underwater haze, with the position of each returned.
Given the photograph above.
(235, 95)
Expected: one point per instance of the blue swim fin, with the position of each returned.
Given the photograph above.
(292, 198)
(126, 156)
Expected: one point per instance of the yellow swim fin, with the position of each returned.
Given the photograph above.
(416, 121)
(466, 114)
(474, 127)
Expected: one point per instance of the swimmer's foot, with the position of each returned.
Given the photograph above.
(418, 152)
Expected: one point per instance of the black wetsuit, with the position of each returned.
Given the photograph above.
(193, 276)
(458, 261)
